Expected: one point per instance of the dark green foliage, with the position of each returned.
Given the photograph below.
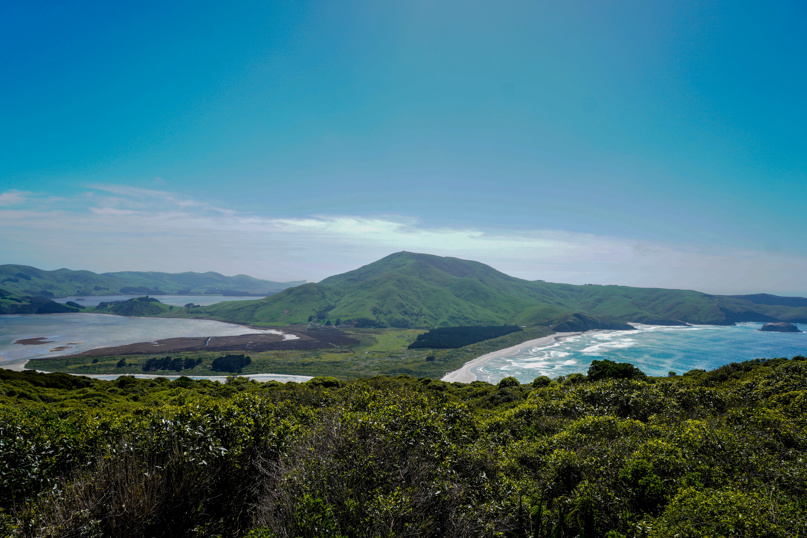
(176, 364)
(607, 369)
(539, 382)
(138, 306)
(324, 381)
(454, 337)
(721, 453)
(508, 382)
(724, 512)
(230, 363)
(645, 489)
(572, 379)
(47, 381)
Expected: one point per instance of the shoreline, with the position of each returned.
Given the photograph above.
(262, 378)
(464, 374)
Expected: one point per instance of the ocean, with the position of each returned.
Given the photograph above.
(654, 350)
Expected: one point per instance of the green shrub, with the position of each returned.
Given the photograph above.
(539, 382)
(726, 512)
(607, 369)
(508, 382)
(324, 381)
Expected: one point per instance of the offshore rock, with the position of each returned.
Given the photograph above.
(780, 327)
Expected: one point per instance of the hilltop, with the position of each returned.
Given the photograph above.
(137, 306)
(420, 290)
(30, 281)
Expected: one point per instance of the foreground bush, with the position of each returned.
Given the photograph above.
(720, 453)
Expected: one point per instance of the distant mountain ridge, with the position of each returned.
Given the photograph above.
(24, 280)
(421, 290)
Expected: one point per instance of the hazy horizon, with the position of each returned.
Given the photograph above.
(631, 143)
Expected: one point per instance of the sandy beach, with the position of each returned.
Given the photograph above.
(464, 375)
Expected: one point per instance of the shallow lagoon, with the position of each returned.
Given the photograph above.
(72, 333)
(653, 349)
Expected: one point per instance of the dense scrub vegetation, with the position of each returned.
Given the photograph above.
(613, 453)
(137, 306)
(454, 337)
(230, 363)
(176, 364)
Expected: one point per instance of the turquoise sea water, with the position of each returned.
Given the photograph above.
(655, 350)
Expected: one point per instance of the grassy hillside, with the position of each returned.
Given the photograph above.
(613, 454)
(419, 290)
(137, 306)
(24, 280)
(764, 307)
(15, 304)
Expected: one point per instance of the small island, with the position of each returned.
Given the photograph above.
(780, 327)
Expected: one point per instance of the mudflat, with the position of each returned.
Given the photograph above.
(269, 341)
(246, 342)
(34, 341)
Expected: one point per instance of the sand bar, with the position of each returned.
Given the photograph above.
(464, 375)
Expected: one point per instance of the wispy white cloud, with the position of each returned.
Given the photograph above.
(147, 199)
(140, 229)
(13, 197)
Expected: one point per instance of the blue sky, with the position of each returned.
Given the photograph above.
(626, 142)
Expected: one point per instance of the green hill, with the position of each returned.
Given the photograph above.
(11, 303)
(137, 306)
(25, 280)
(420, 290)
